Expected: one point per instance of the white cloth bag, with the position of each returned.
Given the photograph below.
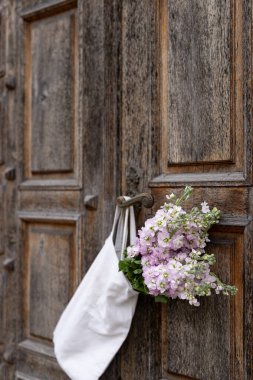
(97, 319)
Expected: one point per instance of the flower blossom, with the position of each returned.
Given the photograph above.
(205, 207)
(171, 250)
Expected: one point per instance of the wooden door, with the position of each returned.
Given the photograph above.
(186, 120)
(99, 98)
(58, 182)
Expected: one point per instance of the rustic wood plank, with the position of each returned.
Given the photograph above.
(50, 280)
(34, 346)
(232, 201)
(44, 201)
(1, 313)
(1, 219)
(189, 342)
(63, 17)
(210, 179)
(51, 223)
(199, 81)
(51, 95)
(2, 75)
(136, 94)
(23, 376)
(247, 79)
(112, 68)
(248, 300)
(139, 67)
(34, 10)
(33, 363)
(2, 40)
(60, 182)
(94, 124)
(2, 114)
(141, 352)
(112, 38)
(120, 80)
(228, 39)
(11, 290)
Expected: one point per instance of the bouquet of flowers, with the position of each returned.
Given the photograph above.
(168, 259)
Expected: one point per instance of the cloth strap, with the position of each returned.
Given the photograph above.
(124, 222)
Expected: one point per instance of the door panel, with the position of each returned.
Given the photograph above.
(2, 114)
(202, 97)
(55, 131)
(51, 71)
(49, 209)
(8, 192)
(200, 74)
(50, 266)
(99, 98)
(2, 74)
(52, 131)
(185, 121)
(207, 342)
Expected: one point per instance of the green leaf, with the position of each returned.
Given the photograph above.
(137, 271)
(162, 299)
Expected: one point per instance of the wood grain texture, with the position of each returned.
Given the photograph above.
(1, 315)
(10, 300)
(248, 334)
(195, 339)
(247, 77)
(111, 142)
(100, 136)
(210, 179)
(50, 202)
(52, 81)
(35, 365)
(232, 201)
(112, 69)
(51, 276)
(220, 176)
(219, 83)
(32, 10)
(138, 90)
(44, 201)
(121, 110)
(2, 112)
(57, 198)
(23, 376)
(51, 271)
(1, 216)
(2, 75)
(199, 81)
(140, 354)
(2, 40)
(52, 111)
(136, 95)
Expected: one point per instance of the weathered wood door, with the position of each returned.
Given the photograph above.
(57, 177)
(102, 97)
(187, 120)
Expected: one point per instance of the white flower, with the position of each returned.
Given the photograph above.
(132, 251)
(171, 196)
(205, 207)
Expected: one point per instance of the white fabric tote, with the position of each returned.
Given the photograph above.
(97, 319)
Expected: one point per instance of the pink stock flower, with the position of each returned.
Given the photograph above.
(171, 249)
